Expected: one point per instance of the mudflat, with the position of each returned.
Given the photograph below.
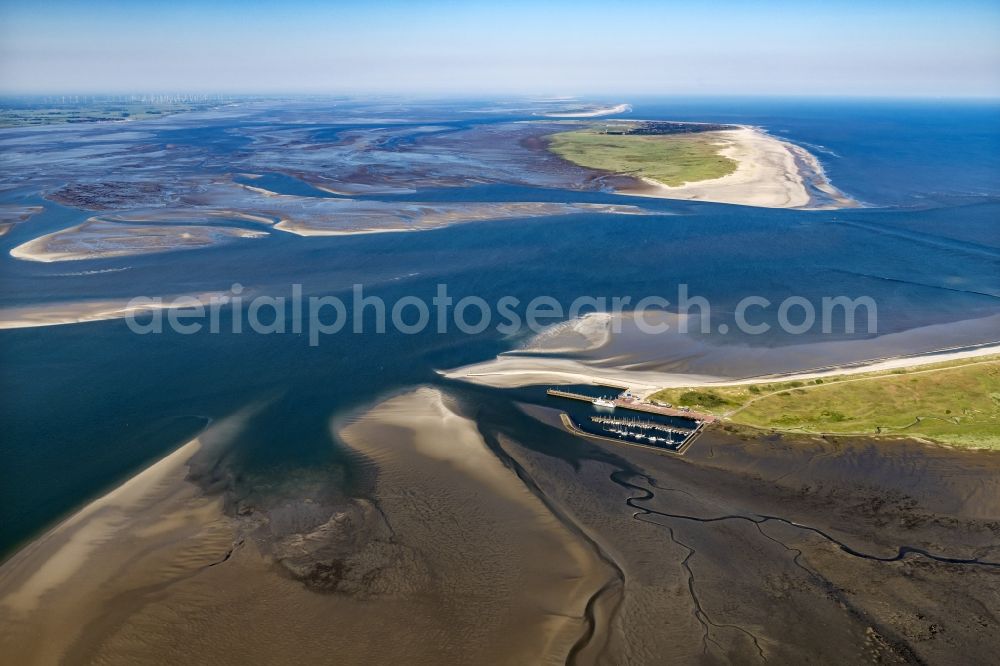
(475, 545)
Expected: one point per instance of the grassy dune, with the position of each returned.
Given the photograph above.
(670, 159)
(955, 403)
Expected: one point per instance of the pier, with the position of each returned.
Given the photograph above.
(570, 395)
(627, 401)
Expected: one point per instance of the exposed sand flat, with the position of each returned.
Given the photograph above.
(591, 113)
(448, 496)
(77, 312)
(100, 238)
(935, 356)
(456, 559)
(151, 231)
(608, 363)
(598, 333)
(343, 218)
(11, 215)
(770, 174)
(589, 332)
(511, 371)
(475, 568)
(154, 528)
(358, 189)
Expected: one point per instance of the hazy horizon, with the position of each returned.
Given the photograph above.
(839, 49)
(486, 95)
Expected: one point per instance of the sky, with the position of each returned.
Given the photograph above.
(882, 48)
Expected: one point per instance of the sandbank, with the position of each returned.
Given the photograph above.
(530, 574)
(77, 312)
(588, 332)
(346, 218)
(11, 215)
(100, 238)
(609, 362)
(453, 552)
(594, 113)
(155, 527)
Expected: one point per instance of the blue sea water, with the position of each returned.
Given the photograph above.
(85, 405)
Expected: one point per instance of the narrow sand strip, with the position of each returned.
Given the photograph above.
(101, 239)
(78, 312)
(515, 371)
(595, 113)
(524, 369)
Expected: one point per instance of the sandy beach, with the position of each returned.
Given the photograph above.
(771, 174)
(607, 362)
(523, 370)
(595, 113)
(78, 312)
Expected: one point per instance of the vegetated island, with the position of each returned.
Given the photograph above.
(702, 161)
(670, 153)
(955, 403)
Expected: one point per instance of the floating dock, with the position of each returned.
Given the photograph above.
(641, 425)
(680, 449)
